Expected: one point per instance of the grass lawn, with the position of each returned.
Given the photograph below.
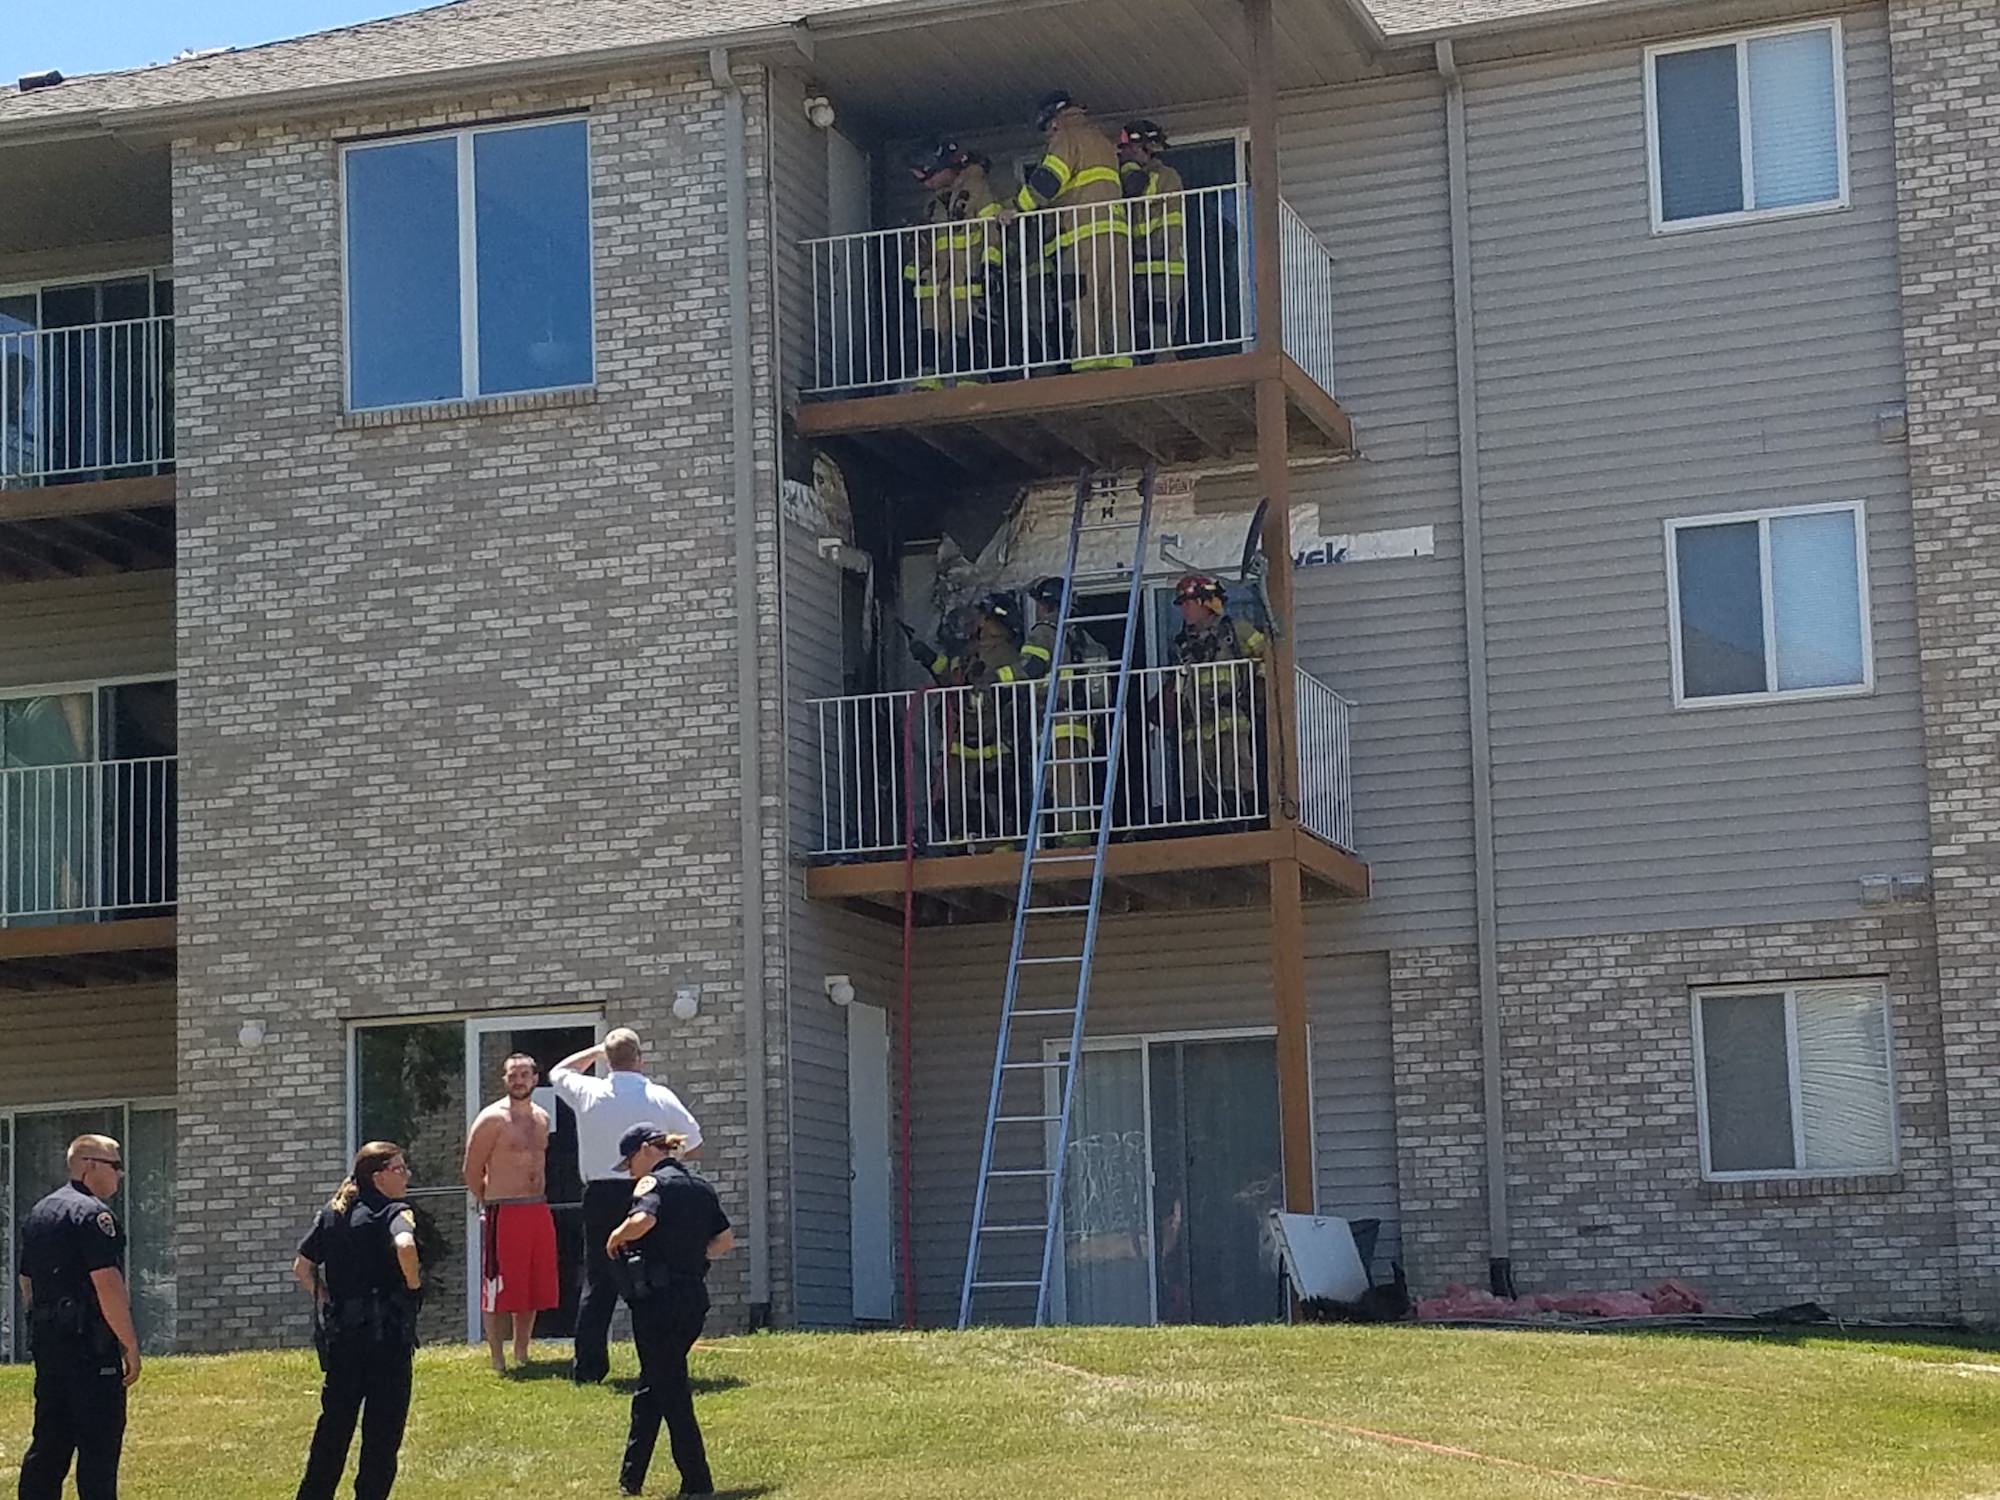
(1086, 1413)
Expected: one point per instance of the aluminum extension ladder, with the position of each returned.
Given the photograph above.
(1016, 1199)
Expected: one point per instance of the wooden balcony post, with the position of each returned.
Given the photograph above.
(1288, 969)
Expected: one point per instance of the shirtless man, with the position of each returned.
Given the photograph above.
(506, 1162)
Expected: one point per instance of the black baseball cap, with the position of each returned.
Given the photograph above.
(645, 1133)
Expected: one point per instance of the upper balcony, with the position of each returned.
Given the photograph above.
(86, 437)
(932, 790)
(1011, 351)
(88, 870)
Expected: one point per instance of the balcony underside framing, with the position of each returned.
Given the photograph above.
(1190, 411)
(90, 527)
(1202, 871)
(77, 955)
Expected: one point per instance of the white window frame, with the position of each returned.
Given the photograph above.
(1741, 40)
(1763, 518)
(468, 263)
(1789, 992)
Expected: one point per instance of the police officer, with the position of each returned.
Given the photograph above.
(359, 1263)
(660, 1256)
(80, 1325)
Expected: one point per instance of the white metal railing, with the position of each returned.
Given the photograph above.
(1308, 298)
(1326, 785)
(85, 400)
(87, 841)
(1061, 288)
(1193, 757)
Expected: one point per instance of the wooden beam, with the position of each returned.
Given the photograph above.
(69, 938)
(1003, 871)
(1050, 393)
(1183, 412)
(90, 498)
(1319, 408)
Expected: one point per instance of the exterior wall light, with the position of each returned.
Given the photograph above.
(819, 110)
(250, 1035)
(687, 1004)
(839, 989)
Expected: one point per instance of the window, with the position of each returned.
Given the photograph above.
(468, 265)
(1754, 126)
(1795, 1081)
(1768, 604)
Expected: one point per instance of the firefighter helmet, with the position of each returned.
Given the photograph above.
(1047, 591)
(1202, 589)
(1054, 102)
(947, 155)
(1143, 133)
(1002, 610)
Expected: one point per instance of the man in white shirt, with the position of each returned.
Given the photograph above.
(605, 1109)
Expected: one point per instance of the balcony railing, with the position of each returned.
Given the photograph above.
(91, 400)
(1089, 287)
(87, 842)
(1192, 760)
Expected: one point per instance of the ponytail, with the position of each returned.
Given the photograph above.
(369, 1160)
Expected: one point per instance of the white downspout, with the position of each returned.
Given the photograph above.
(750, 769)
(1500, 1269)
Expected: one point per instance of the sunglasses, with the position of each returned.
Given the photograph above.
(105, 1161)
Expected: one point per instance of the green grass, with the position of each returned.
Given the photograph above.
(1092, 1413)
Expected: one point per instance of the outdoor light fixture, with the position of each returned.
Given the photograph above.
(250, 1035)
(819, 110)
(839, 989)
(687, 1003)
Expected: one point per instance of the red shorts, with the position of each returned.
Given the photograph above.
(518, 1258)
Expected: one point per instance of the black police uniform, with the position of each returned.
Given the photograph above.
(366, 1332)
(79, 1368)
(662, 1275)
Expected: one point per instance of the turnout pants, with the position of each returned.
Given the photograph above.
(664, 1328)
(606, 1202)
(367, 1379)
(1101, 316)
(80, 1414)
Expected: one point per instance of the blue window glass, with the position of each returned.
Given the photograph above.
(1816, 601)
(531, 206)
(403, 331)
(1701, 147)
(1722, 610)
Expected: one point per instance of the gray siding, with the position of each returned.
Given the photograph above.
(798, 212)
(1627, 378)
(114, 1043)
(76, 629)
(1190, 971)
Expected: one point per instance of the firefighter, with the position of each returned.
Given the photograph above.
(1159, 235)
(956, 246)
(1090, 246)
(1070, 786)
(1216, 704)
(981, 804)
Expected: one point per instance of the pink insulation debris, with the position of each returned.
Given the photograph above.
(1670, 1298)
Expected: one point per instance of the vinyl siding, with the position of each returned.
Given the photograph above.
(799, 212)
(78, 629)
(1191, 971)
(81, 1046)
(1627, 378)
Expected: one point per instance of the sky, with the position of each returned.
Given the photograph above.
(101, 36)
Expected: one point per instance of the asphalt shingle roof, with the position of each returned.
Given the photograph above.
(471, 33)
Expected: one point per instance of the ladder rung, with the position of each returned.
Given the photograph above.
(1013, 1229)
(999, 1286)
(1056, 1063)
(1096, 619)
(1064, 859)
(1026, 1119)
(1021, 1172)
(1060, 1010)
(1053, 958)
(1045, 911)
(1109, 526)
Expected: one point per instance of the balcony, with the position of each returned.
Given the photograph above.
(88, 872)
(86, 449)
(1009, 352)
(905, 777)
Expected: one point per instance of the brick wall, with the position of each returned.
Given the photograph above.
(1440, 1115)
(1946, 74)
(1604, 1155)
(458, 694)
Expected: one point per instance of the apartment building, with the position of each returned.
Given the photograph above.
(461, 474)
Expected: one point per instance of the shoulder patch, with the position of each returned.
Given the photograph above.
(108, 1224)
(645, 1185)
